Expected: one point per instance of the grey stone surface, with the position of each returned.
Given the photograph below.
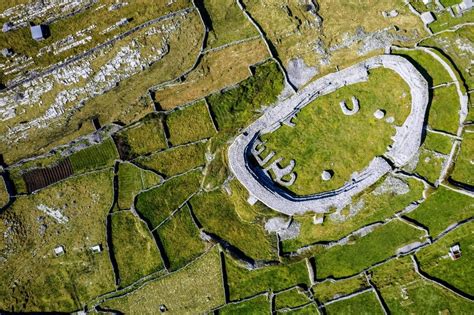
(326, 175)
(379, 114)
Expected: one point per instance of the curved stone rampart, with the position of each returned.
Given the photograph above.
(405, 142)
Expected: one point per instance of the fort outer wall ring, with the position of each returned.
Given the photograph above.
(406, 141)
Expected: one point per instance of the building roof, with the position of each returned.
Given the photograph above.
(427, 17)
(37, 32)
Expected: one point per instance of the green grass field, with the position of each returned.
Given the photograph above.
(244, 283)
(430, 165)
(434, 260)
(438, 143)
(452, 44)
(94, 157)
(429, 67)
(156, 204)
(191, 290)
(443, 208)
(190, 124)
(375, 207)
(217, 214)
(323, 132)
(228, 23)
(4, 196)
(444, 110)
(257, 305)
(175, 161)
(33, 279)
(346, 260)
(291, 298)
(365, 303)
(328, 290)
(236, 108)
(132, 180)
(407, 293)
(134, 248)
(143, 137)
(180, 239)
(445, 21)
(464, 169)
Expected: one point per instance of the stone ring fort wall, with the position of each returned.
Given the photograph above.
(406, 141)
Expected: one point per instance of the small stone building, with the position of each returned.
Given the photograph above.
(39, 32)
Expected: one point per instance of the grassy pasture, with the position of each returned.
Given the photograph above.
(464, 169)
(191, 290)
(217, 70)
(375, 207)
(429, 67)
(434, 260)
(134, 248)
(256, 305)
(407, 293)
(4, 196)
(180, 239)
(190, 124)
(131, 180)
(237, 107)
(365, 303)
(443, 208)
(291, 298)
(228, 23)
(176, 160)
(438, 143)
(328, 290)
(94, 157)
(244, 283)
(33, 279)
(322, 132)
(157, 204)
(444, 110)
(216, 212)
(430, 165)
(142, 138)
(452, 44)
(346, 260)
